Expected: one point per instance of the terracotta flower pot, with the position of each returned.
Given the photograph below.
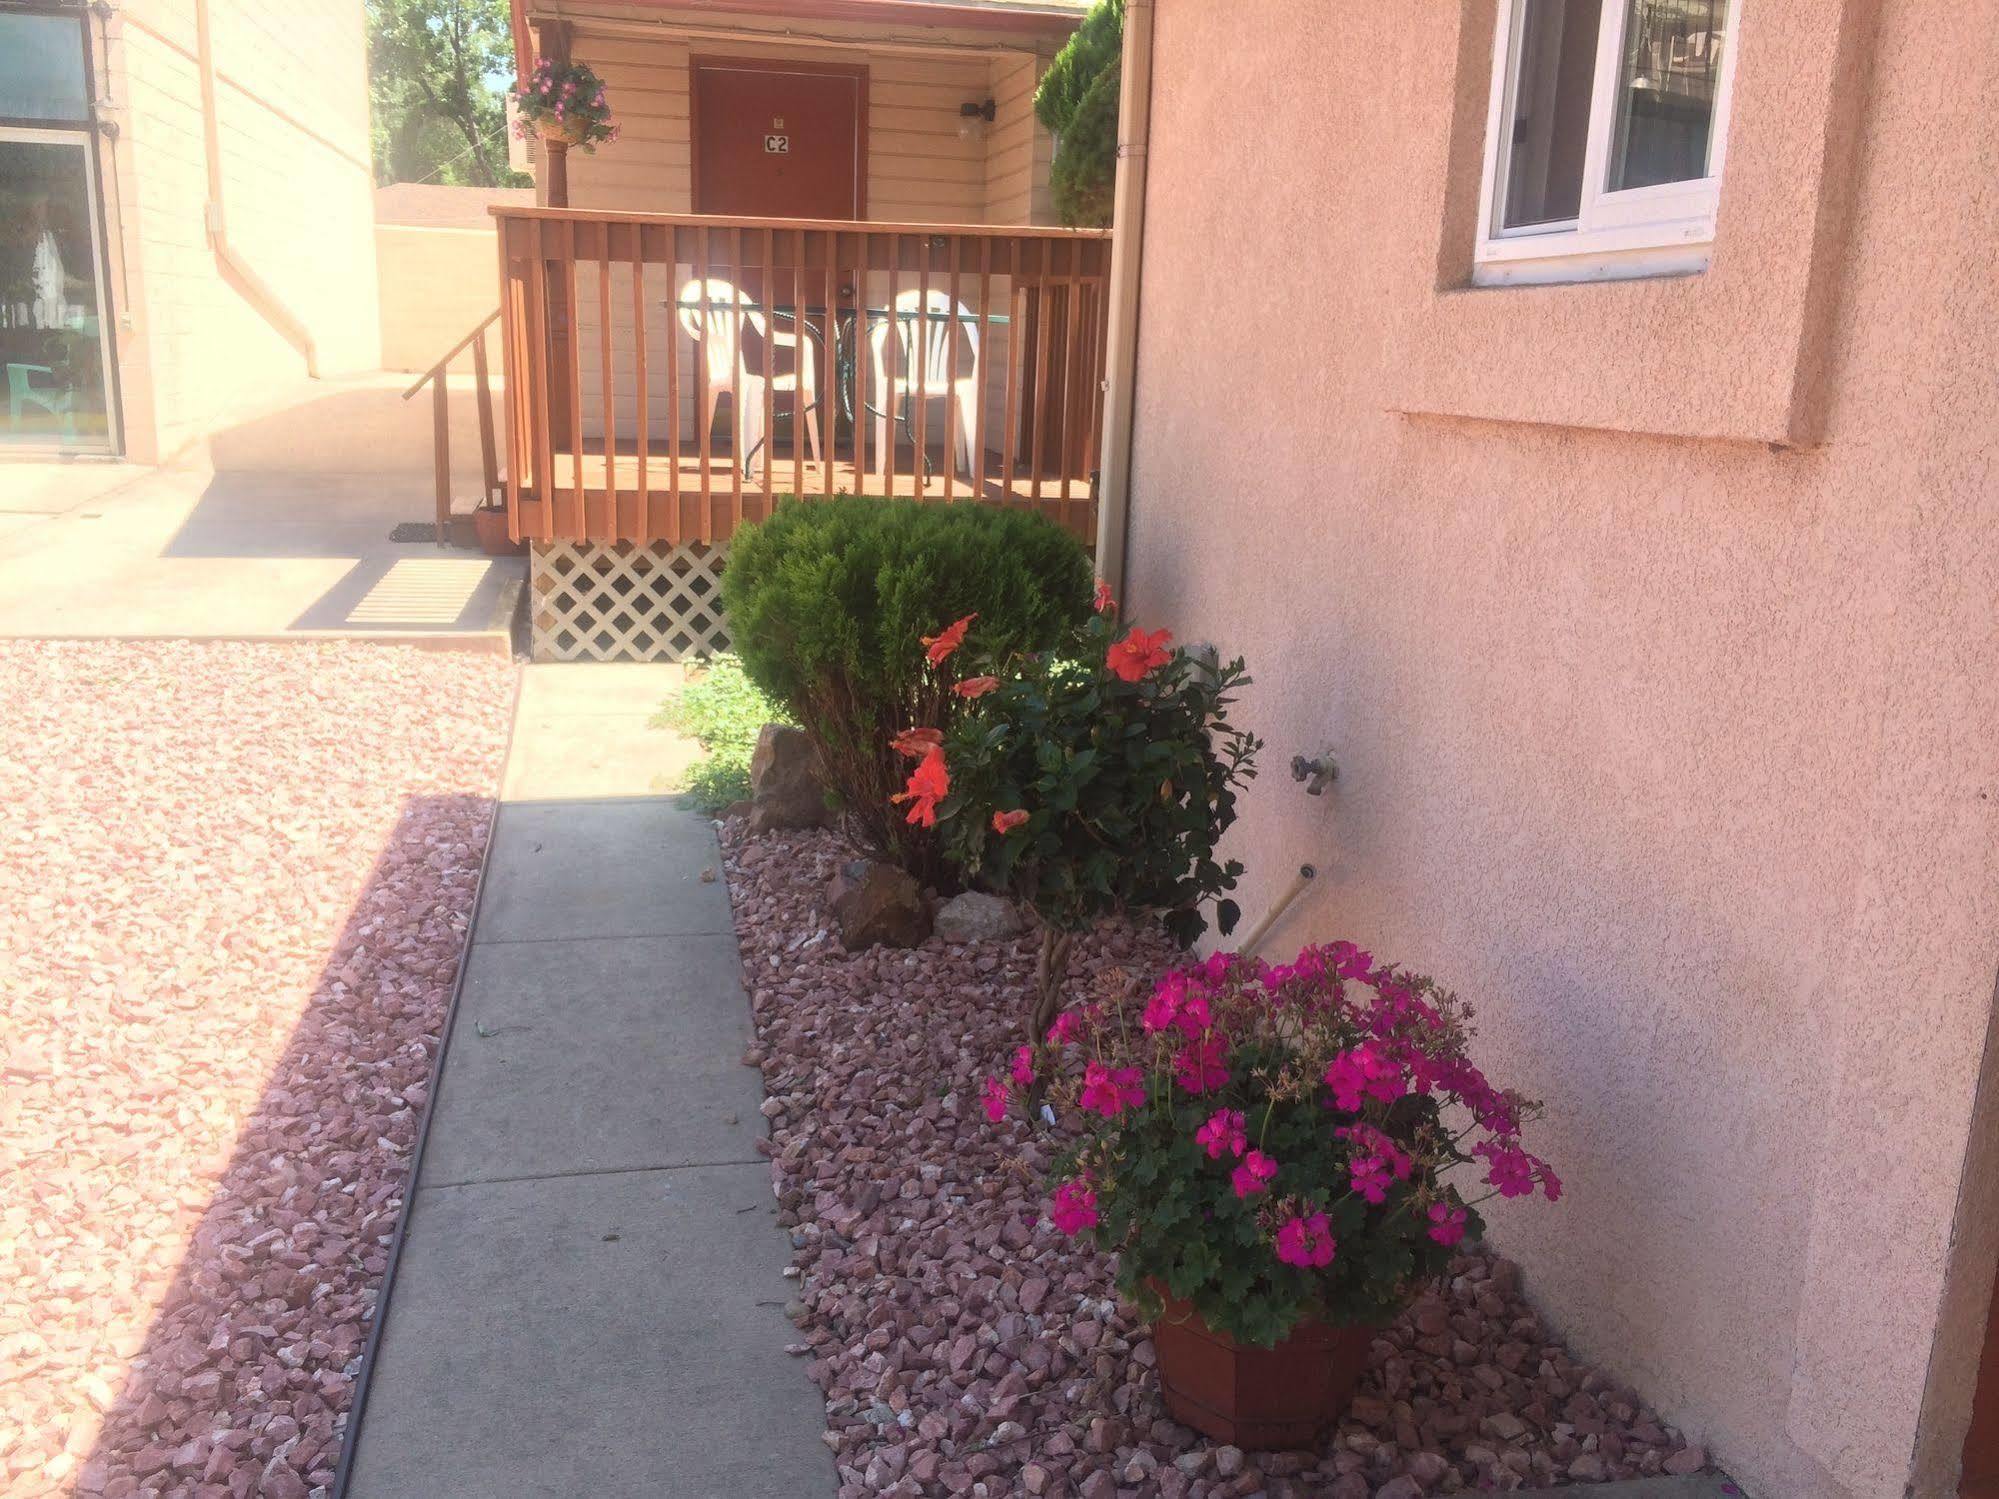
(1282, 1398)
(489, 525)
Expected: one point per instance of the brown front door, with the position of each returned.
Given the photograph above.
(779, 139)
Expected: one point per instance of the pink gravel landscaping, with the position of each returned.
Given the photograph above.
(235, 881)
(966, 1347)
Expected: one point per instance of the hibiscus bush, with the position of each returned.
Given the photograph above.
(1278, 1144)
(829, 603)
(1090, 780)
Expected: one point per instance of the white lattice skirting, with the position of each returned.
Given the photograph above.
(597, 601)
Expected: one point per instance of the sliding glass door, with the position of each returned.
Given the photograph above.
(55, 359)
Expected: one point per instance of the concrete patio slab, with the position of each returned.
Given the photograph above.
(572, 871)
(593, 1335)
(50, 487)
(609, 1055)
(276, 526)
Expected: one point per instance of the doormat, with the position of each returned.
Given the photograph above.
(415, 530)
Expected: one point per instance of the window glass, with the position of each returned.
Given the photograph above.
(41, 68)
(51, 313)
(1667, 81)
(1554, 69)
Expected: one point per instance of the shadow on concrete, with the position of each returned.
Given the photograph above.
(330, 476)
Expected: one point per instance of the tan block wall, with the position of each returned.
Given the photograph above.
(293, 111)
(437, 284)
(1677, 754)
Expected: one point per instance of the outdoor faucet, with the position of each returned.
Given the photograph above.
(1317, 773)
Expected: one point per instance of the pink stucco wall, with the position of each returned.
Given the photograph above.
(1656, 628)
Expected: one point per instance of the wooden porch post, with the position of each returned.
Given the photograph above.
(554, 37)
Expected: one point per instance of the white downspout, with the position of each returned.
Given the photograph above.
(1127, 247)
(252, 286)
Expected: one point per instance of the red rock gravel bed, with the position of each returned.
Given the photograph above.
(234, 884)
(965, 1347)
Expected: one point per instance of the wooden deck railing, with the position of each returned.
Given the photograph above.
(624, 333)
(440, 423)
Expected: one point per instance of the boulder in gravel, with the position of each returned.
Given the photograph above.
(786, 787)
(878, 905)
(977, 917)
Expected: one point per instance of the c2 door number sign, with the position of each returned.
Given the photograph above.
(777, 145)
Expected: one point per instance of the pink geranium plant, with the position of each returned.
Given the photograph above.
(1308, 1141)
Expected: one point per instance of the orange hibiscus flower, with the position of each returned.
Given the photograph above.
(1006, 822)
(938, 647)
(929, 784)
(976, 686)
(916, 743)
(1138, 653)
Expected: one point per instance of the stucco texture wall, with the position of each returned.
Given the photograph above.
(1678, 755)
(292, 106)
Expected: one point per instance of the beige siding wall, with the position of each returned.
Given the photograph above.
(293, 113)
(1018, 150)
(1653, 627)
(920, 170)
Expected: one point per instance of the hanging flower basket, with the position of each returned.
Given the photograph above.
(570, 132)
(563, 103)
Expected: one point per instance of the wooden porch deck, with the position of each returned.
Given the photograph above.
(678, 507)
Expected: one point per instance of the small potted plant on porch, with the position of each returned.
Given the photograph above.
(1266, 1150)
(563, 103)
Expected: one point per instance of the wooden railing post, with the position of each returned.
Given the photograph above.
(440, 424)
(489, 458)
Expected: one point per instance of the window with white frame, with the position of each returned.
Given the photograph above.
(1604, 143)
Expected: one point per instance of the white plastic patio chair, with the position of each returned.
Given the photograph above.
(942, 324)
(714, 313)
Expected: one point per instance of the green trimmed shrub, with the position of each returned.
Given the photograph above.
(828, 603)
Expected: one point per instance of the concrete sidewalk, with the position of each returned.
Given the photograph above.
(589, 1300)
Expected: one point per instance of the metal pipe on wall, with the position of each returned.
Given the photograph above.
(1127, 246)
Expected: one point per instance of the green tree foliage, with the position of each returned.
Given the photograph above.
(436, 72)
(1078, 103)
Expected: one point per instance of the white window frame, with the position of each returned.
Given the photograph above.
(1666, 229)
